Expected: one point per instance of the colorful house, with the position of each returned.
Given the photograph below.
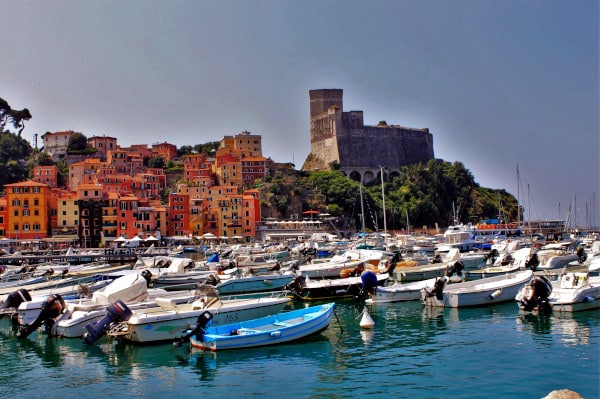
(29, 211)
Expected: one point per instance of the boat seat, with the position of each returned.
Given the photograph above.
(167, 303)
(572, 280)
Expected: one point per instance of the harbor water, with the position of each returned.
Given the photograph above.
(412, 352)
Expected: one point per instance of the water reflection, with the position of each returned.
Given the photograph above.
(570, 329)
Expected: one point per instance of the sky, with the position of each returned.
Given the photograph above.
(502, 85)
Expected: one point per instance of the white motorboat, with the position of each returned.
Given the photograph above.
(328, 269)
(571, 292)
(169, 320)
(75, 314)
(326, 288)
(399, 292)
(485, 291)
(248, 282)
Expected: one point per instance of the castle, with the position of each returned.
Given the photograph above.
(361, 151)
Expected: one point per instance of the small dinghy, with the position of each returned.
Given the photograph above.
(270, 330)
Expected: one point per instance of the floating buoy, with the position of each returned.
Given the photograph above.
(366, 321)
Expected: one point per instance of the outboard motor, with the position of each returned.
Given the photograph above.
(12, 302)
(393, 263)
(203, 321)
(14, 299)
(438, 288)
(457, 268)
(369, 283)
(115, 313)
(581, 255)
(491, 256)
(296, 286)
(533, 262)
(52, 307)
(147, 275)
(540, 290)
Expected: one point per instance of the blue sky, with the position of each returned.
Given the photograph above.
(498, 83)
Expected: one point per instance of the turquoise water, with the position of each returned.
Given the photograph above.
(412, 352)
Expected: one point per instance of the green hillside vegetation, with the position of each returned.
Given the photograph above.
(425, 193)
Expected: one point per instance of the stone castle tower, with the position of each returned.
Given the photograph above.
(361, 151)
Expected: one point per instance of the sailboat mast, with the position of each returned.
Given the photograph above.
(362, 207)
(518, 198)
(383, 197)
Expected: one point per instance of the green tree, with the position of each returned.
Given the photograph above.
(12, 116)
(78, 144)
(156, 162)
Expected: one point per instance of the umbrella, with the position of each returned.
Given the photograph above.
(121, 239)
(208, 236)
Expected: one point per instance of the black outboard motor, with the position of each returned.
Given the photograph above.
(393, 263)
(541, 289)
(296, 286)
(457, 267)
(369, 283)
(533, 262)
(491, 256)
(14, 299)
(203, 321)
(12, 302)
(115, 313)
(52, 307)
(581, 255)
(438, 288)
(147, 275)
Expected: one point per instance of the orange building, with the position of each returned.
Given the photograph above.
(102, 144)
(84, 172)
(250, 213)
(29, 210)
(47, 175)
(178, 223)
(228, 167)
(3, 217)
(165, 150)
(253, 168)
(127, 216)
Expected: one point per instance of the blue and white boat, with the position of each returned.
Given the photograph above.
(270, 330)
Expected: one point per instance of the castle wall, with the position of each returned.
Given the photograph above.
(342, 137)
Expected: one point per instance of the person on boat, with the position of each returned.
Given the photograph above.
(437, 258)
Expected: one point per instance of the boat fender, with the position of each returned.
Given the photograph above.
(52, 307)
(495, 294)
(117, 312)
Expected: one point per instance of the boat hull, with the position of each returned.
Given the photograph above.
(271, 330)
(486, 291)
(161, 325)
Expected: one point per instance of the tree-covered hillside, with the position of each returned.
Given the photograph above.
(425, 194)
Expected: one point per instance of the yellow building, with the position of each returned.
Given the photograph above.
(67, 212)
(29, 210)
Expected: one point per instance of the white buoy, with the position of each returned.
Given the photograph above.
(366, 321)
